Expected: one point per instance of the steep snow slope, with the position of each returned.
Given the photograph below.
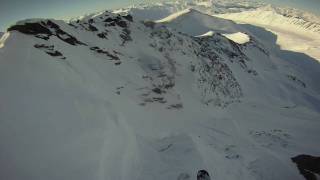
(109, 97)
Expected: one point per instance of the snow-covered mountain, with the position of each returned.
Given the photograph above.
(296, 30)
(289, 18)
(155, 11)
(244, 11)
(109, 96)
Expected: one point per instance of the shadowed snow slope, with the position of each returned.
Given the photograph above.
(107, 97)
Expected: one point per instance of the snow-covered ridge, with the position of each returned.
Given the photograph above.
(156, 11)
(281, 18)
(175, 15)
(292, 12)
(250, 12)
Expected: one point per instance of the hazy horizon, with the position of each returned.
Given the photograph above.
(12, 11)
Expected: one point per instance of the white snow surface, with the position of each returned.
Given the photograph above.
(209, 33)
(239, 37)
(170, 105)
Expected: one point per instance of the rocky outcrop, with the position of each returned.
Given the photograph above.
(309, 166)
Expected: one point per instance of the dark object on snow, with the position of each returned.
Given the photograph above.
(308, 166)
(92, 28)
(149, 24)
(203, 175)
(54, 53)
(157, 90)
(128, 17)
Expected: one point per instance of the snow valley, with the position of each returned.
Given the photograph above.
(160, 92)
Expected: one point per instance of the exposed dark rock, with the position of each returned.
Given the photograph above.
(102, 35)
(159, 99)
(128, 17)
(30, 28)
(157, 90)
(126, 36)
(254, 72)
(49, 49)
(113, 21)
(70, 40)
(308, 166)
(43, 46)
(45, 29)
(203, 175)
(295, 79)
(175, 106)
(91, 21)
(112, 24)
(54, 53)
(122, 24)
(169, 85)
(52, 25)
(72, 25)
(149, 24)
(92, 28)
(111, 56)
(94, 48)
(108, 20)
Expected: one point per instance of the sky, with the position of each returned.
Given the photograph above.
(14, 10)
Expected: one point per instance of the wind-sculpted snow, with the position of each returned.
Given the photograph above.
(108, 96)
